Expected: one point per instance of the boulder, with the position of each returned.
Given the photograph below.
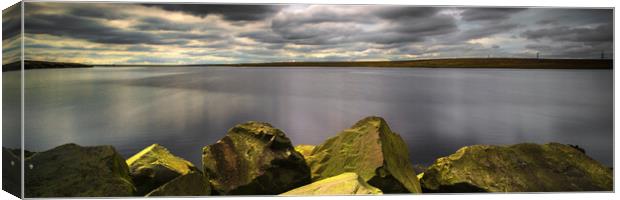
(344, 184)
(254, 158)
(71, 170)
(417, 168)
(154, 166)
(304, 149)
(193, 183)
(524, 167)
(420, 176)
(370, 149)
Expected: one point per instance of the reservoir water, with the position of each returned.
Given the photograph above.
(436, 111)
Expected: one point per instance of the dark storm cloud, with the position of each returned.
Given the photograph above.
(601, 33)
(487, 30)
(329, 26)
(11, 22)
(574, 16)
(157, 24)
(88, 29)
(489, 14)
(159, 33)
(229, 12)
(139, 48)
(426, 25)
(44, 46)
(263, 36)
(546, 22)
(572, 42)
(96, 12)
(411, 31)
(400, 12)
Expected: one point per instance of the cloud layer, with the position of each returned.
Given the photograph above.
(210, 33)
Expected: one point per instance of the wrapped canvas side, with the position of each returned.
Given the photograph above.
(12, 74)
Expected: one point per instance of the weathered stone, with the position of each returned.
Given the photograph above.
(370, 149)
(254, 158)
(525, 167)
(417, 168)
(193, 183)
(344, 184)
(154, 166)
(304, 149)
(71, 170)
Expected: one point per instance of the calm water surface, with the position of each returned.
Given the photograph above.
(436, 111)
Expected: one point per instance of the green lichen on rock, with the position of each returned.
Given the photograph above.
(155, 166)
(371, 150)
(304, 149)
(254, 158)
(193, 183)
(524, 167)
(71, 170)
(344, 184)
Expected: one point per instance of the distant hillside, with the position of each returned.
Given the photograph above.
(507, 63)
(31, 64)
(517, 63)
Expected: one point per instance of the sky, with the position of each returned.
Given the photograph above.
(132, 33)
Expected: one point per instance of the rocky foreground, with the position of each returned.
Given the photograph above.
(254, 158)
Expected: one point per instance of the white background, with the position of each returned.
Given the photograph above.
(521, 3)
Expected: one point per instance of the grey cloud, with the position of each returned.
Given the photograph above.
(601, 33)
(539, 47)
(325, 26)
(427, 25)
(227, 11)
(264, 36)
(546, 22)
(569, 16)
(44, 46)
(403, 12)
(91, 10)
(489, 14)
(11, 21)
(139, 48)
(92, 30)
(212, 45)
(487, 30)
(335, 31)
(572, 42)
(156, 24)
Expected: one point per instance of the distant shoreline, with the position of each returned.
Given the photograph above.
(30, 64)
(498, 63)
(485, 63)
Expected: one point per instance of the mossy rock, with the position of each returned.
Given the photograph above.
(254, 158)
(304, 149)
(370, 149)
(344, 184)
(524, 167)
(154, 166)
(193, 183)
(71, 170)
(420, 176)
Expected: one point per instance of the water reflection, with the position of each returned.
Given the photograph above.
(435, 110)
